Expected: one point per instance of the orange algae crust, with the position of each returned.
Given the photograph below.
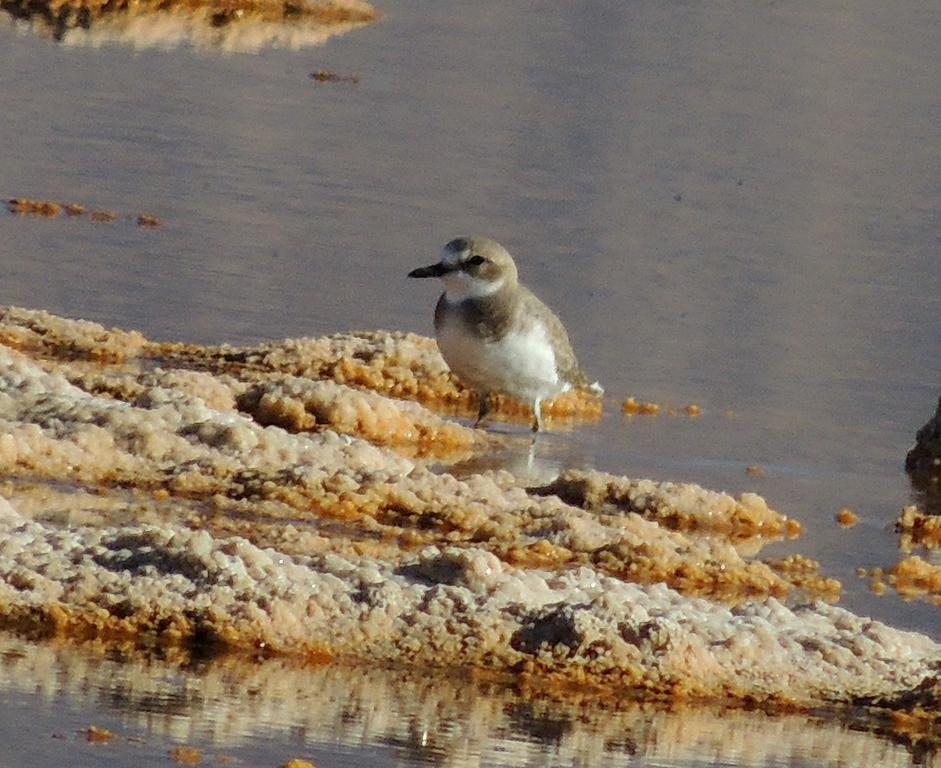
(184, 755)
(632, 406)
(572, 407)
(269, 499)
(917, 726)
(804, 574)
(915, 528)
(50, 209)
(24, 205)
(326, 76)
(95, 735)
(148, 220)
(912, 578)
(846, 518)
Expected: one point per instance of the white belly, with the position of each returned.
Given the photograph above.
(521, 364)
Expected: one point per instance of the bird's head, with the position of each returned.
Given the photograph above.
(472, 267)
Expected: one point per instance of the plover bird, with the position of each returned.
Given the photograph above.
(494, 333)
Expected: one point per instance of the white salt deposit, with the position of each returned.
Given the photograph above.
(211, 528)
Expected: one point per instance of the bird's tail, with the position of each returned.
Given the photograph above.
(592, 387)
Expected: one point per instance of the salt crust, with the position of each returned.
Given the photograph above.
(457, 722)
(402, 365)
(169, 439)
(34, 330)
(457, 607)
(300, 404)
(61, 431)
(217, 529)
(679, 506)
(241, 26)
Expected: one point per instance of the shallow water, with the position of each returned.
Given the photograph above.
(235, 713)
(731, 205)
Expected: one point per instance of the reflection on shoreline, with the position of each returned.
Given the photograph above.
(231, 703)
(531, 461)
(242, 26)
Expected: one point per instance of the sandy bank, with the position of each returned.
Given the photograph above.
(279, 497)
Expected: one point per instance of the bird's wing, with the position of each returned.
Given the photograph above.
(569, 369)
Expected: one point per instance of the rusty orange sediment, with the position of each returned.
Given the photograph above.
(912, 577)
(916, 528)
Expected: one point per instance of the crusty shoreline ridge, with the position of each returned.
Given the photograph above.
(231, 25)
(176, 494)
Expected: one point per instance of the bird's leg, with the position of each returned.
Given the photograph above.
(537, 415)
(484, 408)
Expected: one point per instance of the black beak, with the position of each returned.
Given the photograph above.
(435, 270)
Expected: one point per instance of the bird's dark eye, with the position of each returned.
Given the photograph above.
(475, 261)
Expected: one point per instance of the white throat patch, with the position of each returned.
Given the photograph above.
(460, 286)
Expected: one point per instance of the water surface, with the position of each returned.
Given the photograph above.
(242, 714)
(732, 204)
